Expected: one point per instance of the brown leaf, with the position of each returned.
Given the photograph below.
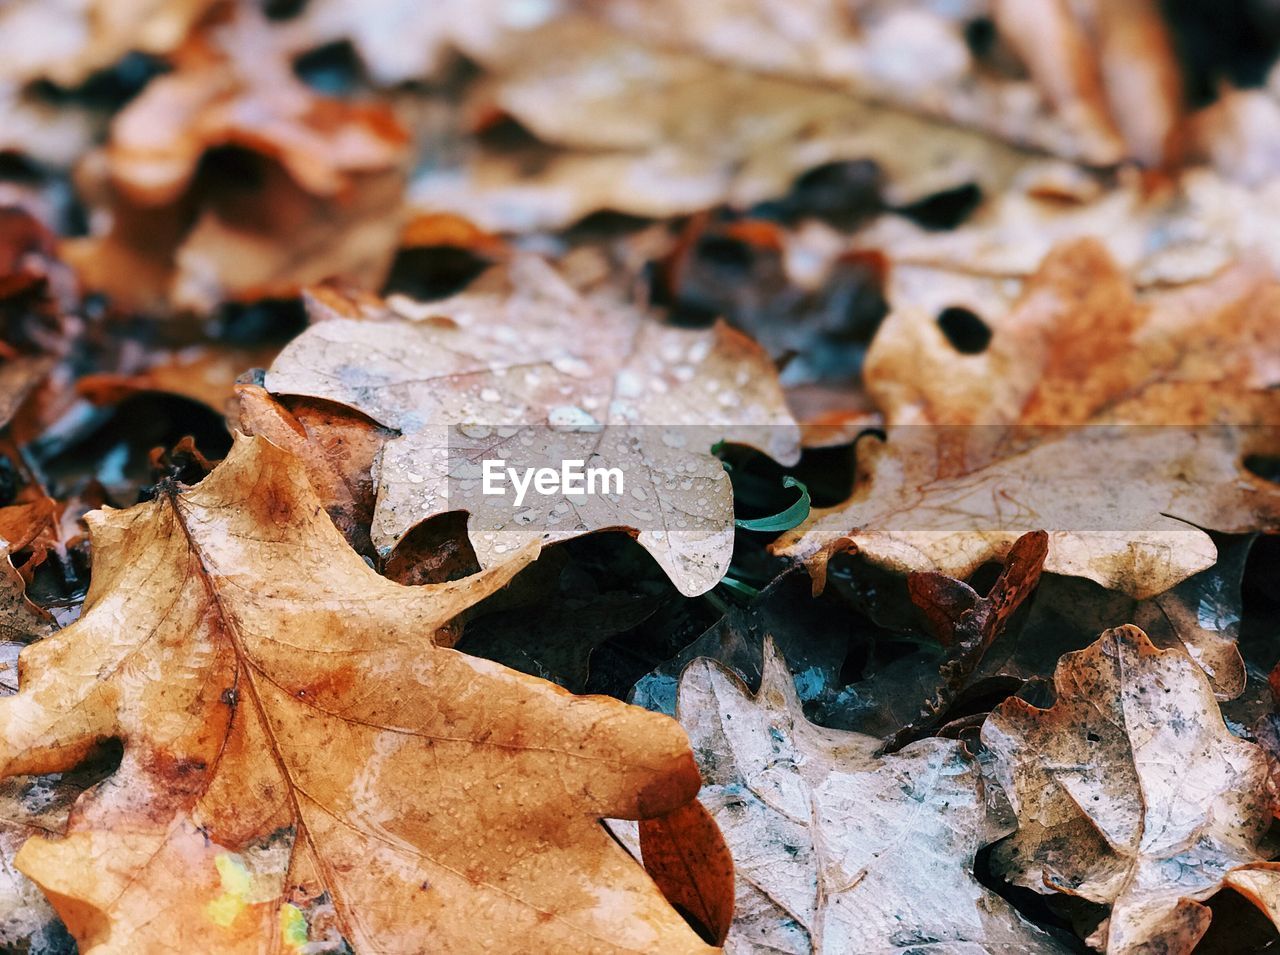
(968, 624)
(1110, 420)
(203, 373)
(293, 739)
(686, 855)
(616, 146)
(21, 621)
(1129, 792)
(504, 371)
(1085, 61)
(317, 196)
(68, 42)
(835, 849)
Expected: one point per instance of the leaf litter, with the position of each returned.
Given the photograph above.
(936, 343)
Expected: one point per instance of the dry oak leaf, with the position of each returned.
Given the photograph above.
(1130, 792)
(1164, 232)
(1117, 422)
(523, 368)
(292, 736)
(835, 849)
(317, 197)
(1103, 83)
(619, 146)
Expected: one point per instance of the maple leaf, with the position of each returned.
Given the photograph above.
(1019, 435)
(1129, 791)
(836, 849)
(293, 739)
(321, 200)
(490, 373)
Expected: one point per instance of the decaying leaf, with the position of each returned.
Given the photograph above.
(1114, 421)
(1103, 83)
(21, 621)
(619, 147)
(967, 623)
(836, 849)
(504, 372)
(1129, 792)
(324, 173)
(292, 738)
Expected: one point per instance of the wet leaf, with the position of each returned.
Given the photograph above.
(1102, 787)
(835, 849)
(292, 738)
(501, 372)
(1076, 379)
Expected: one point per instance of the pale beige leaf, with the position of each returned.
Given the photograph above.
(1084, 60)
(590, 91)
(1130, 792)
(506, 370)
(837, 850)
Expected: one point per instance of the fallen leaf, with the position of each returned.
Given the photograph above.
(337, 447)
(1078, 378)
(291, 736)
(618, 147)
(324, 174)
(21, 621)
(503, 371)
(687, 857)
(1102, 784)
(836, 849)
(1103, 82)
(1201, 615)
(967, 624)
(202, 373)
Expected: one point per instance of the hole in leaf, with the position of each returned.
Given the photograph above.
(944, 210)
(967, 333)
(980, 36)
(1265, 466)
(283, 9)
(333, 69)
(431, 272)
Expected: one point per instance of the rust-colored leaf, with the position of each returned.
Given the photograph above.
(686, 855)
(1112, 421)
